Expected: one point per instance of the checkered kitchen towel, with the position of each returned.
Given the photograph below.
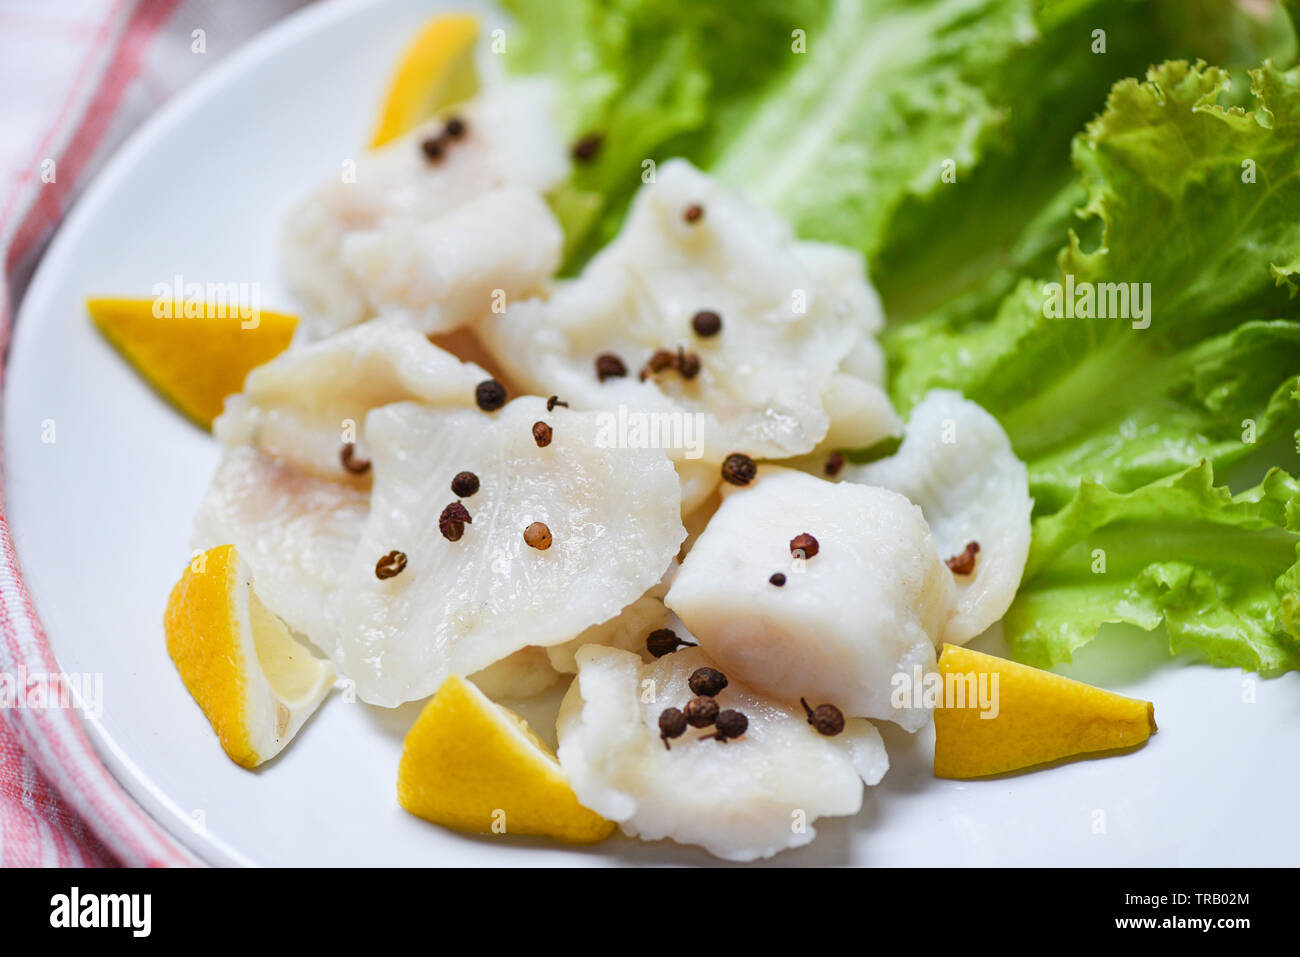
(76, 77)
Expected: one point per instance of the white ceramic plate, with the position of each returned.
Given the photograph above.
(101, 521)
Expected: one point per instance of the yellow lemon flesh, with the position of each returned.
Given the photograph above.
(194, 361)
(256, 684)
(436, 71)
(1034, 717)
(470, 764)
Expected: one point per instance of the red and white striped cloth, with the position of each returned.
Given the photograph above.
(78, 76)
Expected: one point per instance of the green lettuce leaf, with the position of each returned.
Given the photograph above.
(959, 250)
(1220, 571)
(893, 126)
(641, 75)
(1165, 171)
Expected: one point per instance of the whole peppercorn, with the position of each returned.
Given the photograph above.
(707, 681)
(701, 712)
(348, 457)
(390, 565)
(664, 641)
(490, 395)
(826, 718)
(553, 401)
(452, 521)
(777, 579)
(464, 484)
(688, 364)
(672, 724)
(739, 469)
(585, 150)
(609, 366)
(804, 546)
(693, 213)
(541, 434)
(964, 563)
(661, 359)
(730, 724)
(433, 148)
(455, 128)
(834, 462)
(706, 323)
(537, 536)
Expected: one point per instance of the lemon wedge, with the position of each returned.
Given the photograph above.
(1001, 716)
(470, 764)
(194, 361)
(436, 71)
(255, 682)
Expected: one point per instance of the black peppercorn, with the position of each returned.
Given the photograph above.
(490, 395)
(464, 484)
(672, 724)
(739, 469)
(609, 366)
(701, 712)
(826, 718)
(688, 364)
(777, 579)
(433, 148)
(730, 724)
(804, 546)
(664, 641)
(541, 434)
(964, 563)
(660, 360)
(706, 323)
(452, 521)
(707, 681)
(585, 150)
(354, 465)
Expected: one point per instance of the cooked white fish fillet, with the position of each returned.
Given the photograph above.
(525, 673)
(957, 464)
(450, 271)
(870, 604)
(627, 630)
(304, 404)
(750, 797)
(792, 314)
(296, 532)
(511, 140)
(459, 606)
(699, 480)
(861, 415)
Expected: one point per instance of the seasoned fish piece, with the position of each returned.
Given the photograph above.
(467, 597)
(304, 404)
(956, 462)
(627, 630)
(789, 317)
(525, 673)
(452, 270)
(295, 532)
(392, 193)
(751, 797)
(869, 604)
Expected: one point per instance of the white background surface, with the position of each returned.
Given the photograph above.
(101, 520)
